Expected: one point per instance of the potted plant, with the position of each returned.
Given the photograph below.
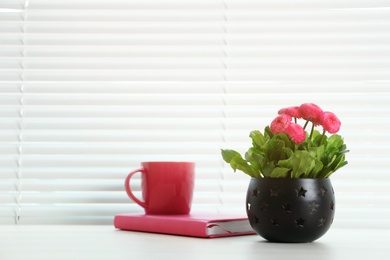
(290, 197)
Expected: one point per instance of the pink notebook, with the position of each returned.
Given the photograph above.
(195, 225)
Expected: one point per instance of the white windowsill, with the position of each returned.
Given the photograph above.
(105, 242)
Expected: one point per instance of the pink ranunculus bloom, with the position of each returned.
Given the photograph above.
(280, 123)
(330, 122)
(311, 112)
(291, 111)
(296, 133)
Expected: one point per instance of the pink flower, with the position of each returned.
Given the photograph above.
(291, 111)
(296, 133)
(280, 123)
(330, 122)
(311, 112)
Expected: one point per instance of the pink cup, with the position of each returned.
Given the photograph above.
(167, 187)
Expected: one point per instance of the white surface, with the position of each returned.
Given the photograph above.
(105, 242)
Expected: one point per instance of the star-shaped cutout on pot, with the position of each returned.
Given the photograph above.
(287, 207)
(301, 192)
(332, 205)
(274, 191)
(300, 222)
(255, 192)
(263, 206)
(324, 191)
(313, 207)
(322, 222)
(275, 223)
(256, 220)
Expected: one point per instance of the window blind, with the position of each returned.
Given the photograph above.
(89, 89)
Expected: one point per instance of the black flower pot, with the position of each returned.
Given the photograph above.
(290, 210)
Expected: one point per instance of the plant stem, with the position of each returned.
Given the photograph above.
(304, 126)
(311, 132)
(322, 137)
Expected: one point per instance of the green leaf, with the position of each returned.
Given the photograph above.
(300, 162)
(228, 155)
(268, 167)
(317, 138)
(238, 163)
(254, 157)
(288, 152)
(286, 140)
(318, 166)
(274, 150)
(336, 164)
(254, 154)
(268, 133)
(317, 152)
(280, 172)
(258, 138)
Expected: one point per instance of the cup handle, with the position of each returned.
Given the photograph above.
(128, 189)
